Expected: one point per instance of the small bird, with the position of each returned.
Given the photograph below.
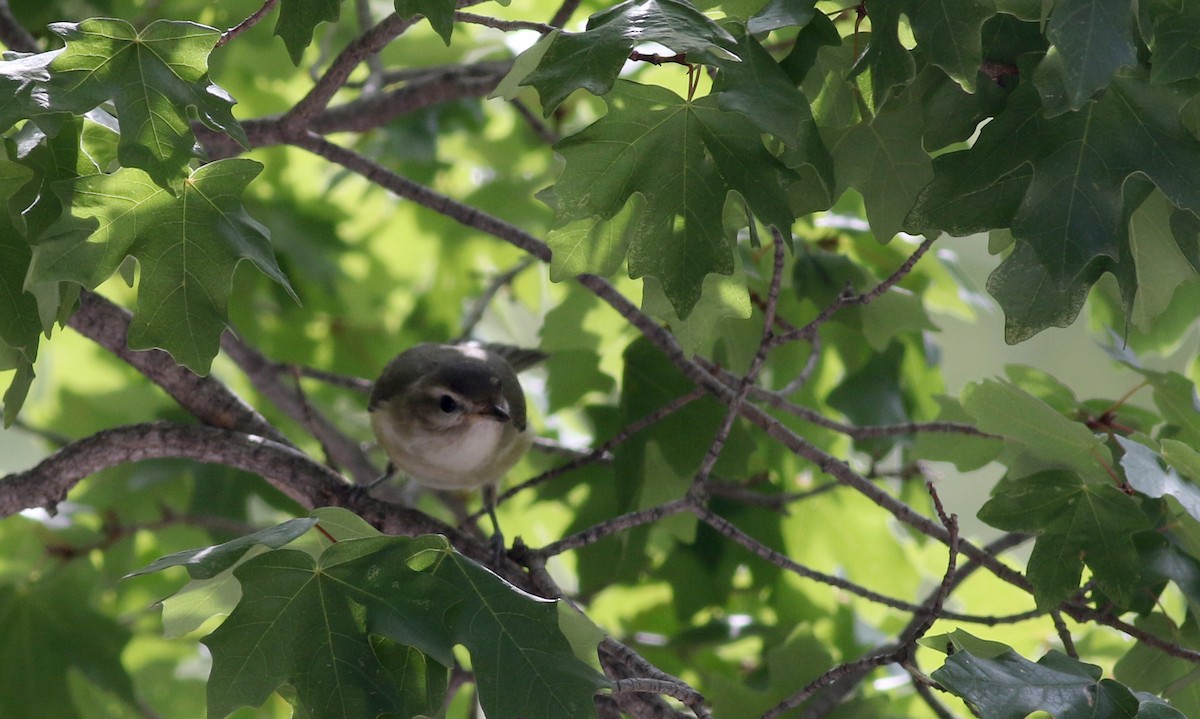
(452, 417)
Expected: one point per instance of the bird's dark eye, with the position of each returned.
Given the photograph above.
(447, 404)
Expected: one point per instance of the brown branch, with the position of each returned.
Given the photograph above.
(307, 482)
(47, 483)
(297, 119)
(850, 298)
(621, 662)
(606, 448)
(265, 375)
(12, 33)
(505, 25)
(423, 89)
(204, 397)
(849, 674)
(406, 188)
(620, 523)
(246, 24)
(674, 689)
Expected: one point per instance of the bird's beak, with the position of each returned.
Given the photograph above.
(496, 412)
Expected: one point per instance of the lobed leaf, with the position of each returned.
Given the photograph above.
(188, 245)
(591, 60)
(1011, 687)
(1065, 189)
(439, 13)
(153, 78)
(1091, 41)
(700, 154)
(1076, 522)
(299, 18)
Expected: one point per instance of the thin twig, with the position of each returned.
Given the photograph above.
(248, 23)
(609, 527)
(606, 448)
(1064, 634)
(849, 298)
(475, 314)
(505, 25)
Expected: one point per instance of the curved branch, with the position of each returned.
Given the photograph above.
(285, 467)
(205, 398)
(294, 473)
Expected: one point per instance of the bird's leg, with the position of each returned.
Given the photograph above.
(489, 505)
(387, 474)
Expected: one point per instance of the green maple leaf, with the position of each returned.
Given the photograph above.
(1002, 408)
(1009, 686)
(682, 159)
(1076, 522)
(515, 639)
(883, 159)
(187, 245)
(153, 77)
(299, 18)
(592, 59)
(295, 626)
(1063, 186)
(439, 13)
(1091, 40)
(315, 625)
(1171, 31)
(948, 30)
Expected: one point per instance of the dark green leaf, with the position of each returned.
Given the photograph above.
(883, 159)
(778, 14)
(298, 19)
(439, 13)
(1092, 40)
(949, 30)
(153, 77)
(1011, 687)
(703, 154)
(592, 60)
(421, 593)
(187, 244)
(1076, 522)
(295, 626)
(1171, 29)
(1065, 189)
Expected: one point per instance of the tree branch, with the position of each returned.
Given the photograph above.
(12, 33)
(265, 375)
(204, 397)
